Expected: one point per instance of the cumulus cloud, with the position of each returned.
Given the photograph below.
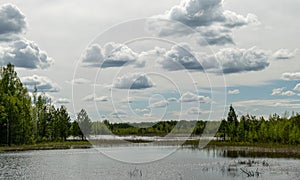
(297, 87)
(159, 104)
(180, 57)
(63, 101)
(94, 97)
(191, 97)
(291, 76)
(43, 84)
(111, 55)
(227, 60)
(284, 54)
(215, 35)
(25, 54)
(133, 81)
(13, 47)
(12, 20)
(234, 92)
(202, 14)
(288, 93)
(277, 91)
(236, 60)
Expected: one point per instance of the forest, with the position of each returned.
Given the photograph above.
(32, 118)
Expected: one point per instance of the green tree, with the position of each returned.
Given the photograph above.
(75, 129)
(15, 104)
(232, 124)
(84, 123)
(64, 123)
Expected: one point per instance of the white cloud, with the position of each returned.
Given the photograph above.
(180, 57)
(14, 48)
(94, 97)
(234, 92)
(147, 115)
(133, 81)
(236, 60)
(111, 55)
(227, 60)
(297, 87)
(118, 114)
(288, 93)
(291, 76)
(159, 104)
(25, 54)
(63, 101)
(43, 84)
(194, 111)
(172, 99)
(284, 54)
(277, 91)
(101, 99)
(270, 103)
(142, 110)
(207, 17)
(12, 20)
(79, 81)
(190, 97)
(128, 100)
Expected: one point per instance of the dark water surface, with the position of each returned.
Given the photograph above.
(185, 163)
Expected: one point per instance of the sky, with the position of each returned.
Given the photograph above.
(142, 60)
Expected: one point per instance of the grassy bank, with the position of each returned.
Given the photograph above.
(241, 149)
(47, 146)
(229, 146)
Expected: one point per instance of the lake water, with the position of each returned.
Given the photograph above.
(162, 163)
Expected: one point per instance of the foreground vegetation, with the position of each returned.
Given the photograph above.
(48, 146)
(34, 120)
(30, 120)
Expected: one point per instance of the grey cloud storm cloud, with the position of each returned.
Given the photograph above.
(12, 20)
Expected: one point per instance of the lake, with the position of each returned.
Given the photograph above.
(143, 162)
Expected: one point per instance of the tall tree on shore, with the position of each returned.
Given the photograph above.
(233, 123)
(84, 123)
(15, 104)
(64, 122)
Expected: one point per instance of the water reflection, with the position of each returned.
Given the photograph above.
(185, 163)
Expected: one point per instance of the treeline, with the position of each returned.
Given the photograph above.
(148, 129)
(250, 129)
(281, 130)
(26, 120)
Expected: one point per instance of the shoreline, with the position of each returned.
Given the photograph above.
(236, 149)
(48, 146)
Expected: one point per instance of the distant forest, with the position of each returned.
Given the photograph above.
(26, 119)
